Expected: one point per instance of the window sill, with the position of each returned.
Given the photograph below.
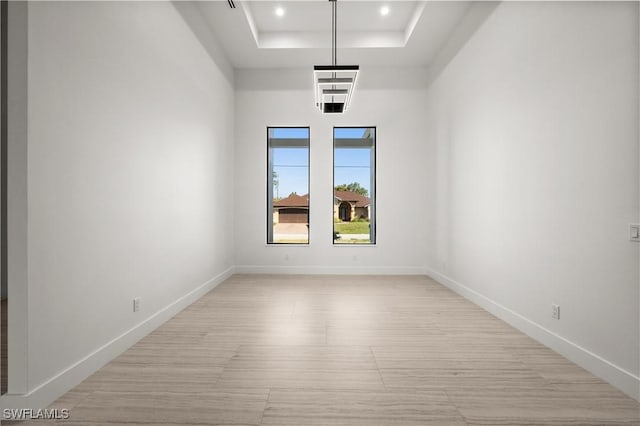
(354, 245)
(286, 245)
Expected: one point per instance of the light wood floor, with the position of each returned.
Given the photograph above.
(292, 350)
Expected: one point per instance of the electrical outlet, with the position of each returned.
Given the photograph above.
(136, 304)
(634, 232)
(555, 311)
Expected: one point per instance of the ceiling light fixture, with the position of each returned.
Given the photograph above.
(279, 11)
(384, 10)
(334, 83)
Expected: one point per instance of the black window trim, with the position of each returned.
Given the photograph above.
(269, 215)
(374, 217)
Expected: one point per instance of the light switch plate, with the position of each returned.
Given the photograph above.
(555, 311)
(634, 232)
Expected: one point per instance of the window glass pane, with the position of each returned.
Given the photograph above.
(354, 185)
(288, 185)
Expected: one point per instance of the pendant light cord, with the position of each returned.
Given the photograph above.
(334, 31)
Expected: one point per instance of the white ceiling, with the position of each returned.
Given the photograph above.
(252, 36)
(316, 15)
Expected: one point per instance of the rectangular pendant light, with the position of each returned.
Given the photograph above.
(334, 86)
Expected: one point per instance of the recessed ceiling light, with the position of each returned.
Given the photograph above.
(384, 10)
(279, 12)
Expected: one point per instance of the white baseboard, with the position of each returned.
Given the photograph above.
(624, 380)
(330, 270)
(49, 391)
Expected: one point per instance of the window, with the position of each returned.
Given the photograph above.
(288, 185)
(354, 184)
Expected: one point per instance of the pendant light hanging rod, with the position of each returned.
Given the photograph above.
(334, 41)
(334, 31)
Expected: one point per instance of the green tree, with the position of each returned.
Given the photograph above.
(353, 187)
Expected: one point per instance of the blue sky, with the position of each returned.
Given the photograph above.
(291, 164)
(352, 165)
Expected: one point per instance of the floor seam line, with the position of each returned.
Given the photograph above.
(266, 401)
(378, 369)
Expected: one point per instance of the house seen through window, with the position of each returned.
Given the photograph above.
(354, 181)
(288, 185)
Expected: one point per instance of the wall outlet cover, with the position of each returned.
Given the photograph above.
(555, 311)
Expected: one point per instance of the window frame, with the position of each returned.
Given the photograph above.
(269, 204)
(373, 213)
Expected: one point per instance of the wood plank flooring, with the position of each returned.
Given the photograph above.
(329, 350)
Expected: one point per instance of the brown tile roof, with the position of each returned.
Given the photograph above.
(293, 200)
(360, 200)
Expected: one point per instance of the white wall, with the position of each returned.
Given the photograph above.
(404, 162)
(130, 176)
(536, 123)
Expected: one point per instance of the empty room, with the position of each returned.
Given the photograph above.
(320, 212)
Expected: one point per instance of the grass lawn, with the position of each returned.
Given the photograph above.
(351, 227)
